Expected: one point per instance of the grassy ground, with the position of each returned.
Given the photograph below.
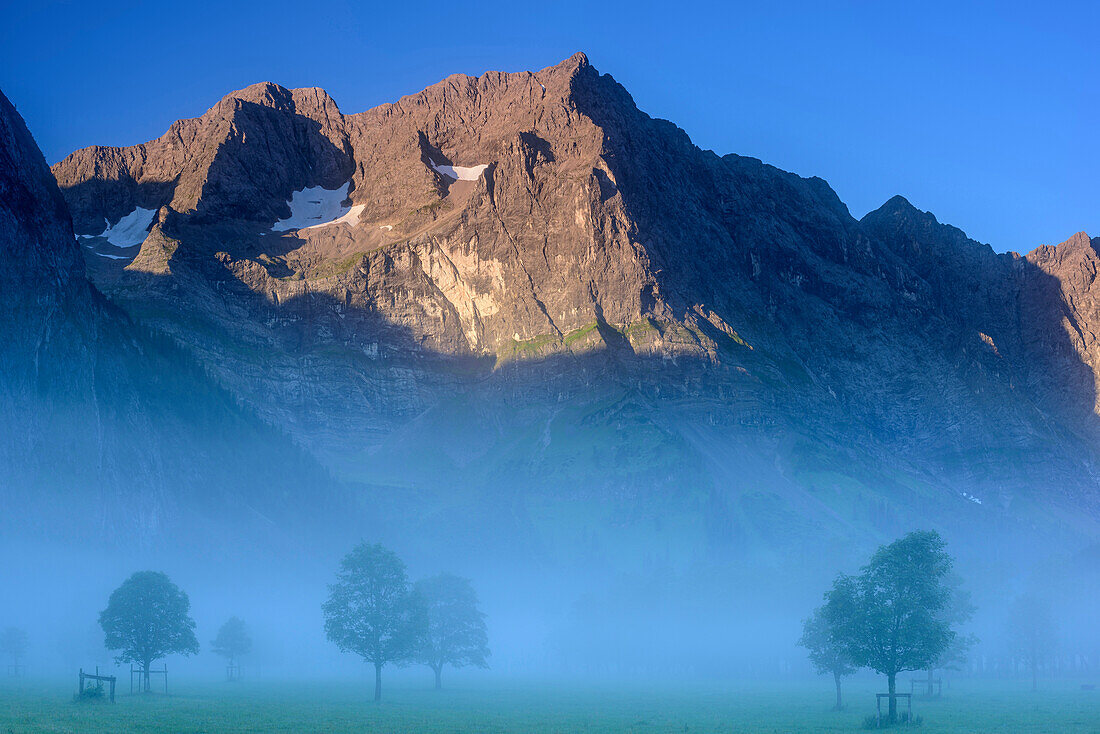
(262, 706)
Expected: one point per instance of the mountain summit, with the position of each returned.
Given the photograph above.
(538, 284)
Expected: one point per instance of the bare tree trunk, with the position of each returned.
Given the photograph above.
(930, 682)
(1034, 674)
(145, 675)
(438, 676)
(836, 677)
(378, 681)
(891, 679)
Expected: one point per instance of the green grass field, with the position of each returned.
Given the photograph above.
(263, 706)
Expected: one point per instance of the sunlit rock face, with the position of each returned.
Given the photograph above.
(110, 434)
(534, 284)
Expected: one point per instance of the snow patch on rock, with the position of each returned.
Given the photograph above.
(130, 230)
(350, 219)
(318, 207)
(459, 173)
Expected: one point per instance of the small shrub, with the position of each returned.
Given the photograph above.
(90, 693)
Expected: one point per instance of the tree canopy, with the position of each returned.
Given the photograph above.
(456, 633)
(233, 640)
(147, 618)
(890, 617)
(372, 611)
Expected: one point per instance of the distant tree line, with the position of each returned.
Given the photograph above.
(904, 611)
(372, 610)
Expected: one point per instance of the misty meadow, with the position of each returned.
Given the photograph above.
(503, 406)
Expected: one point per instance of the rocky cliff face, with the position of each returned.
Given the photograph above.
(110, 432)
(529, 280)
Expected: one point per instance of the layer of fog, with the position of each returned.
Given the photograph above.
(710, 621)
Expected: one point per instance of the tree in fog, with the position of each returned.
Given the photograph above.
(890, 617)
(232, 640)
(1032, 630)
(373, 612)
(456, 633)
(147, 618)
(958, 611)
(13, 645)
(826, 654)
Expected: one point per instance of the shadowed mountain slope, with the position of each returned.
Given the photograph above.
(110, 431)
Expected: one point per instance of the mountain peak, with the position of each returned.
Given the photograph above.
(308, 101)
(1079, 244)
(1078, 240)
(579, 60)
(897, 206)
(268, 94)
(896, 202)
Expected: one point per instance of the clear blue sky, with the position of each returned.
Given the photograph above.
(986, 114)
